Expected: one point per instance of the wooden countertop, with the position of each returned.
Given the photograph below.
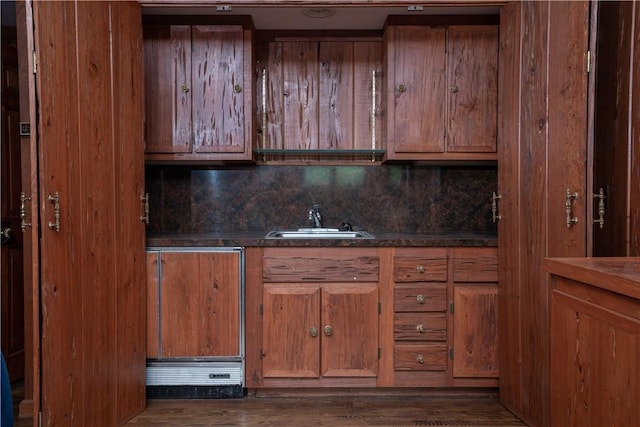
(620, 275)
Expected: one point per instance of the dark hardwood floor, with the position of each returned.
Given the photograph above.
(401, 409)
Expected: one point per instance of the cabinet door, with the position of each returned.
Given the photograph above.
(167, 69)
(218, 88)
(350, 330)
(200, 304)
(153, 305)
(475, 331)
(291, 331)
(417, 101)
(472, 88)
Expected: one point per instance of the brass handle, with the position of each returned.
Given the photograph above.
(185, 88)
(237, 88)
(401, 88)
(313, 331)
(420, 328)
(494, 207)
(601, 207)
(567, 204)
(421, 299)
(420, 359)
(420, 268)
(328, 330)
(145, 208)
(23, 212)
(454, 89)
(55, 200)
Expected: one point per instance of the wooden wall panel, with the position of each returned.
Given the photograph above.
(335, 115)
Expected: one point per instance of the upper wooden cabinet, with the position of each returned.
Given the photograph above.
(441, 92)
(318, 96)
(198, 90)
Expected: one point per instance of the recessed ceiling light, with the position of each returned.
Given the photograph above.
(318, 12)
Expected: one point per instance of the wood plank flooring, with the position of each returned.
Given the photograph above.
(360, 410)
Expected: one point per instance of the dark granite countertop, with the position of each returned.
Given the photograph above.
(248, 239)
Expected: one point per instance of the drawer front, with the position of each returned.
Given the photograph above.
(422, 357)
(420, 327)
(321, 269)
(419, 269)
(475, 265)
(420, 298)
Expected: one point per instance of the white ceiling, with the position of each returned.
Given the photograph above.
(351, 18)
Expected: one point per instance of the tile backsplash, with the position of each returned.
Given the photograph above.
(379, 199)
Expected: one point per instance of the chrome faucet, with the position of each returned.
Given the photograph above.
(315, 216)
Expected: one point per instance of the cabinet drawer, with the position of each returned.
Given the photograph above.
(320, 269)
(475, 265)
(420, 269)
(420, 327)
(420, 298)
(422, 357)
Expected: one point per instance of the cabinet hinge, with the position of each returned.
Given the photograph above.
(451, 353)
(261, 353)
(260, 309)
(379, 352)
(588, 61)
(379, 308)
(40, 419)
(451, 307)
(35, 61)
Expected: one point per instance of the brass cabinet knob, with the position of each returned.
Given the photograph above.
(401, 88)
(328, 330)
(237, 88)
(420, 359)
(421, 299)
(420, 268)
(313, 331)
(185, 88)
(420, 328)
(454, 89)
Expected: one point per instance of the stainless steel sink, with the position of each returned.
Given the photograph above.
(317, 233)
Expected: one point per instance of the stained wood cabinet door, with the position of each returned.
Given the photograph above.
(441, 91)
(199, 304)
(198, 92)
(329, 331)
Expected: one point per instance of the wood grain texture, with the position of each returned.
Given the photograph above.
(420, 327)
(634, 184)
(336, 90)
(153, 305)
(420, 297)
(419, 269)
(416, 60)
(420, 357)
(597, 342)
(253, 319)
(475, 265)
(475, 330)
(472, 88)
(308, 268)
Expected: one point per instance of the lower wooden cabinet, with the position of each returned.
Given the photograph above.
(371, 317)
(193, 303)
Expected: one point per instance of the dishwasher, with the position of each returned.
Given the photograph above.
(195, 322)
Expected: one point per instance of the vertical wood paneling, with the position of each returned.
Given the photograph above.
(300, 91)
(153, 306)
(92, 158)
(275, 98)
(217, 88)
(366, 60)
(634, 184)
(472, 73)
(335, 84)
(62, 341)
(129, 231)
(509, 105)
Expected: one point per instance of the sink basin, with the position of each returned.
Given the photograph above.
(317, 233)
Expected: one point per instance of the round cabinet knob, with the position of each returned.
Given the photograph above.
(313, 331)
(420, 268)
(401, 88)
(237, 88)
(420, 299)
(420, 359)
(328, 330)
(185, 88)
(454, 89)
(420, 328)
